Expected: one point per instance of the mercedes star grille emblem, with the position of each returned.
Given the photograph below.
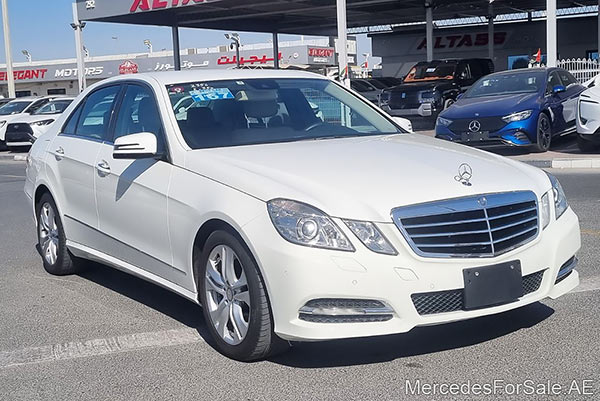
(474, 126)
(465, 172)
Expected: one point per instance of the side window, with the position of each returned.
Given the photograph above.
(36, 105)
(95, 114)
(138, 113)
(71, 126)
(566, 78)
(553, 80)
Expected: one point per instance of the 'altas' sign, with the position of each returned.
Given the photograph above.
(147, 5)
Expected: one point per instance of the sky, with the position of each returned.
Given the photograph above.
(42, 28)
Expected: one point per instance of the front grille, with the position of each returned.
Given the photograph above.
(476, 226)
(404, 99)
(429, 303)
(491, 124)
(19, 127)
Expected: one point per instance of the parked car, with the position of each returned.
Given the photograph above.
(431, 87)
(5, 100)
(366, 89)
(18, 108)
(287, 226)
(588, 119)
(388, 81)
(525, 107)
(24, 131)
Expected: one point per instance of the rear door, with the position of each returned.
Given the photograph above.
(72, 156)
(132, 194)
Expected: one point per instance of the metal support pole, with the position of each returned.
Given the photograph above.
(276, 50)
(9, 67)
(342, 24)
(429, 28)
(78, 27)
(237, 53)
(551, 33)
(491, 31)
(176, 51)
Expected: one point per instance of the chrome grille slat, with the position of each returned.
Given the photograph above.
(475, 226)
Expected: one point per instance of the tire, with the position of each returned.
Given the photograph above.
(543, 134)
(448, 103)
(585, 145)
(52, 240)
(3, 145)
(235, 302)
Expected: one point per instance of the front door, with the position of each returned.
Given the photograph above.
(132, 194)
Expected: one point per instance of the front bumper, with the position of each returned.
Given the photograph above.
(424, 110)
(518, 133)
(295, 275)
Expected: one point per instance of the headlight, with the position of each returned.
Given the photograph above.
(428, 96)
(43, 122)
(558, 194)
(305, 225)
(444, 122)
(545, 210)
(520, 116)
(369, 234)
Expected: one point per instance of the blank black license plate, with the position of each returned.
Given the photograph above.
(475, 136)
(492, 285)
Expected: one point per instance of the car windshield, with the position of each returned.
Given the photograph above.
(507, 83)
(255, 111)
(55, 107)
(431, 71)
(13, 108)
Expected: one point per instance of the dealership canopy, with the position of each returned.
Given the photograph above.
(306, 17)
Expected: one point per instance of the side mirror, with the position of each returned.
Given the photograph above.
(135, 146)
(558, 89)
(404, 123)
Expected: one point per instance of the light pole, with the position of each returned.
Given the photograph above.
(78, 28)
(9, 67)
(27, 55)
(235, 40)
(148, 45)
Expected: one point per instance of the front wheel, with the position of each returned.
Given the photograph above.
(52, 241)
(234, 300)
(544, 134)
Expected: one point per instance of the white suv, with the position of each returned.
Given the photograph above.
(288, 221)
(18, 108)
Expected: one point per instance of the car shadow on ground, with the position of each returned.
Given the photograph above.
(419, 341)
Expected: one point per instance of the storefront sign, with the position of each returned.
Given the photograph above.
(128, 67)
(23, 75)
(466, 40)
(264, 59)
(320, 52)
(72, 72)
(148, 5)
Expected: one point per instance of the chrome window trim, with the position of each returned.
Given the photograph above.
(466, 204)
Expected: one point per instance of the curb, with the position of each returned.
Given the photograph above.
(12, 156)
(564, 163)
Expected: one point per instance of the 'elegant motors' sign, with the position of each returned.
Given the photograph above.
(23, 75)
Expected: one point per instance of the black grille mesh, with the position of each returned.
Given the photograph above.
(344, 303)
(451, 301)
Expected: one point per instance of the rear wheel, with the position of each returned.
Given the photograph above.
(234, 300)
(585, 145)
(52, 240)
(544, 134)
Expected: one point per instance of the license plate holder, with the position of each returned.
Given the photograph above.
(475, 136)
(492, 285)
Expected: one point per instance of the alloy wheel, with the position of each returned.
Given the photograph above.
(544, 133)
(227, 294)
(48, 233)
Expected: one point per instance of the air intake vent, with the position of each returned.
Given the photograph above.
(428, 303)
(477, 226)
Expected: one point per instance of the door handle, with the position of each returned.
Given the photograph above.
(59, 153)
(103, 168)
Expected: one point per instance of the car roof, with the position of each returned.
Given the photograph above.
(175, 77)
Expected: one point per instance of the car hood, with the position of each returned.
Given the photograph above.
(491, 106)
(363, 177)
(30, 118)
(9, 118)
(422, 85)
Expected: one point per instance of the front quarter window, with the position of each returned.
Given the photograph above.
(257, 111)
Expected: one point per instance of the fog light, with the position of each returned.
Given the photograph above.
(331, 310)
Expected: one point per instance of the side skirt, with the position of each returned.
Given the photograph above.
(86, 252)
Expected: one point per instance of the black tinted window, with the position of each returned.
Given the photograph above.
(553, 81)
(95, 115)
(36, 105)
(138, 113)
(566, 78)
(71, 124)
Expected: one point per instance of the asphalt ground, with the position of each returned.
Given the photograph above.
(105, 335)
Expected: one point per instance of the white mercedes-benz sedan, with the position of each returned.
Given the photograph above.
(287, 221)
